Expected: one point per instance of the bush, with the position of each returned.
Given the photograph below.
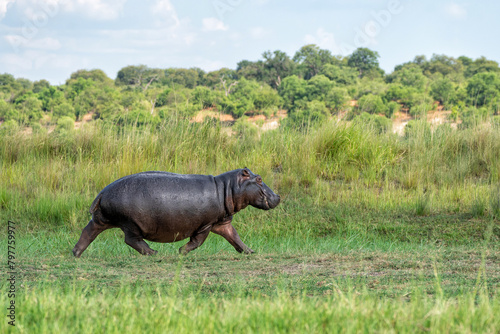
(337, 99)
(443, 90)
(10, 126)
(266, 98)
(472, 116)
(315, 113)
(65, 124)
(372, 104)
(419, 103)
(7, 111)
(38, 128)
(136, 117)
(63, 110)
(237, 108)
(392, 107)
(381, 124)
(205, 97)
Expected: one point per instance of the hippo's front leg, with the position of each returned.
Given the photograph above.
(228, 231)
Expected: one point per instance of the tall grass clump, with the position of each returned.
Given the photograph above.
(351, 151)
(448, 157)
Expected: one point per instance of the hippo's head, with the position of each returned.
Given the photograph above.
(255, 192)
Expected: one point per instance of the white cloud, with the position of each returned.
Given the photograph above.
(3, 7)
(456, 10)
(213, 24)
(101, 10)
(47, 43)
(258, 32)
(165, 11)
(96, 9)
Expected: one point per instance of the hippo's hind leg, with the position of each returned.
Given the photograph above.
(228, 231)
(134, 239)
(196, 240)
(89, 233)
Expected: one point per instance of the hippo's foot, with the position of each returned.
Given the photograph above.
(137, 243)
(248, 251)
(76, 253)
(229, 233)
(150, 252)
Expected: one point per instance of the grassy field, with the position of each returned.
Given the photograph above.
(375, 233)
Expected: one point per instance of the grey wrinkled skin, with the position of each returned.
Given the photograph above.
(168, 207)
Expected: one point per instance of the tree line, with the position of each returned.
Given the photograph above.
(311, 86)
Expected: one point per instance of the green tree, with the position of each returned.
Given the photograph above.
(481, 65)
(317, 87)
(250, 70)
(29, 108)
(483, 88)
(442, 64)
(341, 75)
(292, 90)
(372, 104)
(410, 75)
(364, 60)
(63, 110)
(51, 97)
(9, 85)
(188, 78)
(337, 99)
(265, 98)
(76, 86)
(313, 114)
(276, 66)
(398, 93)
(7, 111)
(204, 96)
(95, 75)
(443, 90)
(223, 80)
(140, 77)
(40, 85)
(418, 103)
(310, 59)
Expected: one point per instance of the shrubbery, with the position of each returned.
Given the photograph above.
(311, 85)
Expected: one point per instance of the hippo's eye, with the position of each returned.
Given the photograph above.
(258, 179)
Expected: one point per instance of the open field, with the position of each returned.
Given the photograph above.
(322, 285)
(375, 232)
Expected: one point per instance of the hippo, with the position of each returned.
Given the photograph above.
(168, 207)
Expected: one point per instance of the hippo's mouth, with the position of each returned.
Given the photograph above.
(267, 203)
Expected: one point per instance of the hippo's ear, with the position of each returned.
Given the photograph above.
(244, 176)
(245, 172)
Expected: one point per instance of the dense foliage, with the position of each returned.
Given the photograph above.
(311, 85)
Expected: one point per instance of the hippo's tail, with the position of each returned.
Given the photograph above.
(95, 204)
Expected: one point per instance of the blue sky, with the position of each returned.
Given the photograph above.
(50, 39)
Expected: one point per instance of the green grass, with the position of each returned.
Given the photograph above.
(339, 284)
(375, 233)
(291, 284)
(70, 308)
